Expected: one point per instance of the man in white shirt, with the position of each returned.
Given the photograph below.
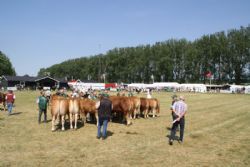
(179, 111)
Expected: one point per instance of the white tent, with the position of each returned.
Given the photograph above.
(163, 85)
(137, 85)
(81, 86)
(166, 84)
(193, 87)
(236, 88)
(247, 89)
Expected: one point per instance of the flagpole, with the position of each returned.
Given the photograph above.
(210, 83)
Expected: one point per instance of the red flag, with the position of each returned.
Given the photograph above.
(208, 74)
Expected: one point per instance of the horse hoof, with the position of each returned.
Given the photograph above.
(129, 124)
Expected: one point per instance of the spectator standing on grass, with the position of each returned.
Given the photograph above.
(174, 99)
(149, 94)
(74, 94)
(179, 109)
(42, 102)
(104, 107)
(10, 99)
(61, 92)
(48, 94)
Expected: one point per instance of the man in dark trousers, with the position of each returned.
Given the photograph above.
(104, 107)
(42, 102)
(179, 109)
(174, 99)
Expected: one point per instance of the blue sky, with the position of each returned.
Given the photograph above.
(36, 34)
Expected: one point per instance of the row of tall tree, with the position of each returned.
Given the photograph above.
(225, 55)
(6, 67)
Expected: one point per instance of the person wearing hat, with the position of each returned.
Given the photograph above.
(104, 107)
(179, 109)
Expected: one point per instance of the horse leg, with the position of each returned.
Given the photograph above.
(128, 118)
(145, 113)
(4, 106)
(76, 118)
(71, 120)
(135, 112)
(154, 111)
(63, 121)
(97, 119)
(53, 123)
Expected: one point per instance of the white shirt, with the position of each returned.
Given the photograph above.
(180, 107)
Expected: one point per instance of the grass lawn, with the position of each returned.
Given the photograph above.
(217, 133)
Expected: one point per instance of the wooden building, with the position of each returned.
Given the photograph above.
(33, 83)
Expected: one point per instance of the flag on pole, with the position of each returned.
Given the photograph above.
(208, 74)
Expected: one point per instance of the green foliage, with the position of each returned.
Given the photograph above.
(226, 55)
(5, 65)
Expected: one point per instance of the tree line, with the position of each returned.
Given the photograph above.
(225, 55)
(6, 67)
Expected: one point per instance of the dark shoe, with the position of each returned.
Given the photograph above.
(98, 137)
(104, 138)
(170, 142)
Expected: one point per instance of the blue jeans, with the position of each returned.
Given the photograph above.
(9, 106)
(102, 122)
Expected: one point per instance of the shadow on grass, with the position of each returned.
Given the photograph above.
(16, 113)
(48, 121)
(67, 126)
(169, 128)
(175, 137)
(132, 133)
(109, 133)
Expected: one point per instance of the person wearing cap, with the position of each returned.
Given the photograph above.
(104, 107)
(174, 99)
(10, 99)
(179, 109)
(42, 102)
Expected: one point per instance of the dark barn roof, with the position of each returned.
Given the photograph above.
(24, 78)
(27, 78)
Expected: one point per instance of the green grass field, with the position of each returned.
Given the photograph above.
(217, 133)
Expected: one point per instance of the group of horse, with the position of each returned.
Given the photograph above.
(127, 107)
